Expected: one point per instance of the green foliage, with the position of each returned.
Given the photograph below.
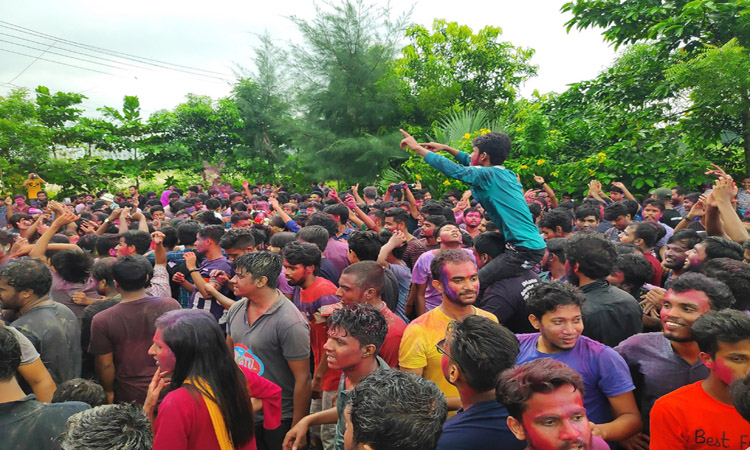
(671, 23)
(451, 68)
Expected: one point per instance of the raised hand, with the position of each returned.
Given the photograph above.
(157, 237)
(190, 260)
(722, 190)
(538, 179)
(716, 171)
(408, 142)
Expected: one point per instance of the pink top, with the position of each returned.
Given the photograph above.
(183, 422)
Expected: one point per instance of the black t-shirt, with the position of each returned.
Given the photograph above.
(506, 299)
(670, 217)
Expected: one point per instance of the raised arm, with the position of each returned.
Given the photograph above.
(367, 220)
(723, 193)
(41, 244)
(548, 189)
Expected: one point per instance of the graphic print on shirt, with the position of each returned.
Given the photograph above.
(245, 358)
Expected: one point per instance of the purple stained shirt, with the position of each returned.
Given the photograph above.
(196, 299)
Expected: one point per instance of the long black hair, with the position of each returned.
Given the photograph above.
(201, 352)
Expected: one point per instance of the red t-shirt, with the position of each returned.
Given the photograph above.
(656, 279)
(310, 301)
(183, 422)
(690, 419)
(396, 327)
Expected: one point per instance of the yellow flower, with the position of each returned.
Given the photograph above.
(554, 174)
(540, 162)
(447, 183)
(588, 159)
(602, 154)
(523, 166)
(467, 136)
(518, 128)
(418, 177)
(553, 131)
(591, 172)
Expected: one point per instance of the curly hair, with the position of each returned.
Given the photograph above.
(548, 296)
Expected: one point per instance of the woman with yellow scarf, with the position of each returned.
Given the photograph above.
(209, 406)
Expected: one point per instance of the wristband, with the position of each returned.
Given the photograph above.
(194, 270)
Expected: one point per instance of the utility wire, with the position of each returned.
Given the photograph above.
(64, 56)
(31, 63)
(58, 62)
(139, 59)
(73, 51)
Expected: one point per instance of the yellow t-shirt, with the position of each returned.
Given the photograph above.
(417, 349)
(33, 187)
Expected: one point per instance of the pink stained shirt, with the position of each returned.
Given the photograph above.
(183, 422)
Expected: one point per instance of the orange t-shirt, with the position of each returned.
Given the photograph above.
(690, 419)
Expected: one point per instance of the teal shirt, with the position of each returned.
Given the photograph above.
(500, 194)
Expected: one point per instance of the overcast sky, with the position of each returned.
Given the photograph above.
(214, 36)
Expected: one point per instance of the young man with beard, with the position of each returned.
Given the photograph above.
(701, 415)
(423, 295)
(555, 310)
(428, 235)
(652, 212)
(363, 282)
(355, 333)
(472, 221)
(676, 252)
(475, 352)
(545, 401)
(270, 337)
(454, 276)
(50, 326)
(553, 262)
(667, 360)
(611, 315)
(712, 247)
(316, 298)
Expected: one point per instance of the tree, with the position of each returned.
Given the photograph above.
(671, 23)
(451, 68)
(348, 94)
(719, 83)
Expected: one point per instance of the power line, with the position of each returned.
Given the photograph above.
(31, 63)
(139, 59)
(64, 56)
(58, 62)
(73, 51)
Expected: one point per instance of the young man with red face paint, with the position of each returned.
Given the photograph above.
(545, 400)
(363, 282)
(455, 277)
(555, 310)
(472, 221)
(356, 332)
(701, 415)
(668, 360)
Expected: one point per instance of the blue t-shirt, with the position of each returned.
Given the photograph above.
(481, 427)
(604, 372)
(500, 194)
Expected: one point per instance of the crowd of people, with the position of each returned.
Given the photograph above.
(257, 316)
